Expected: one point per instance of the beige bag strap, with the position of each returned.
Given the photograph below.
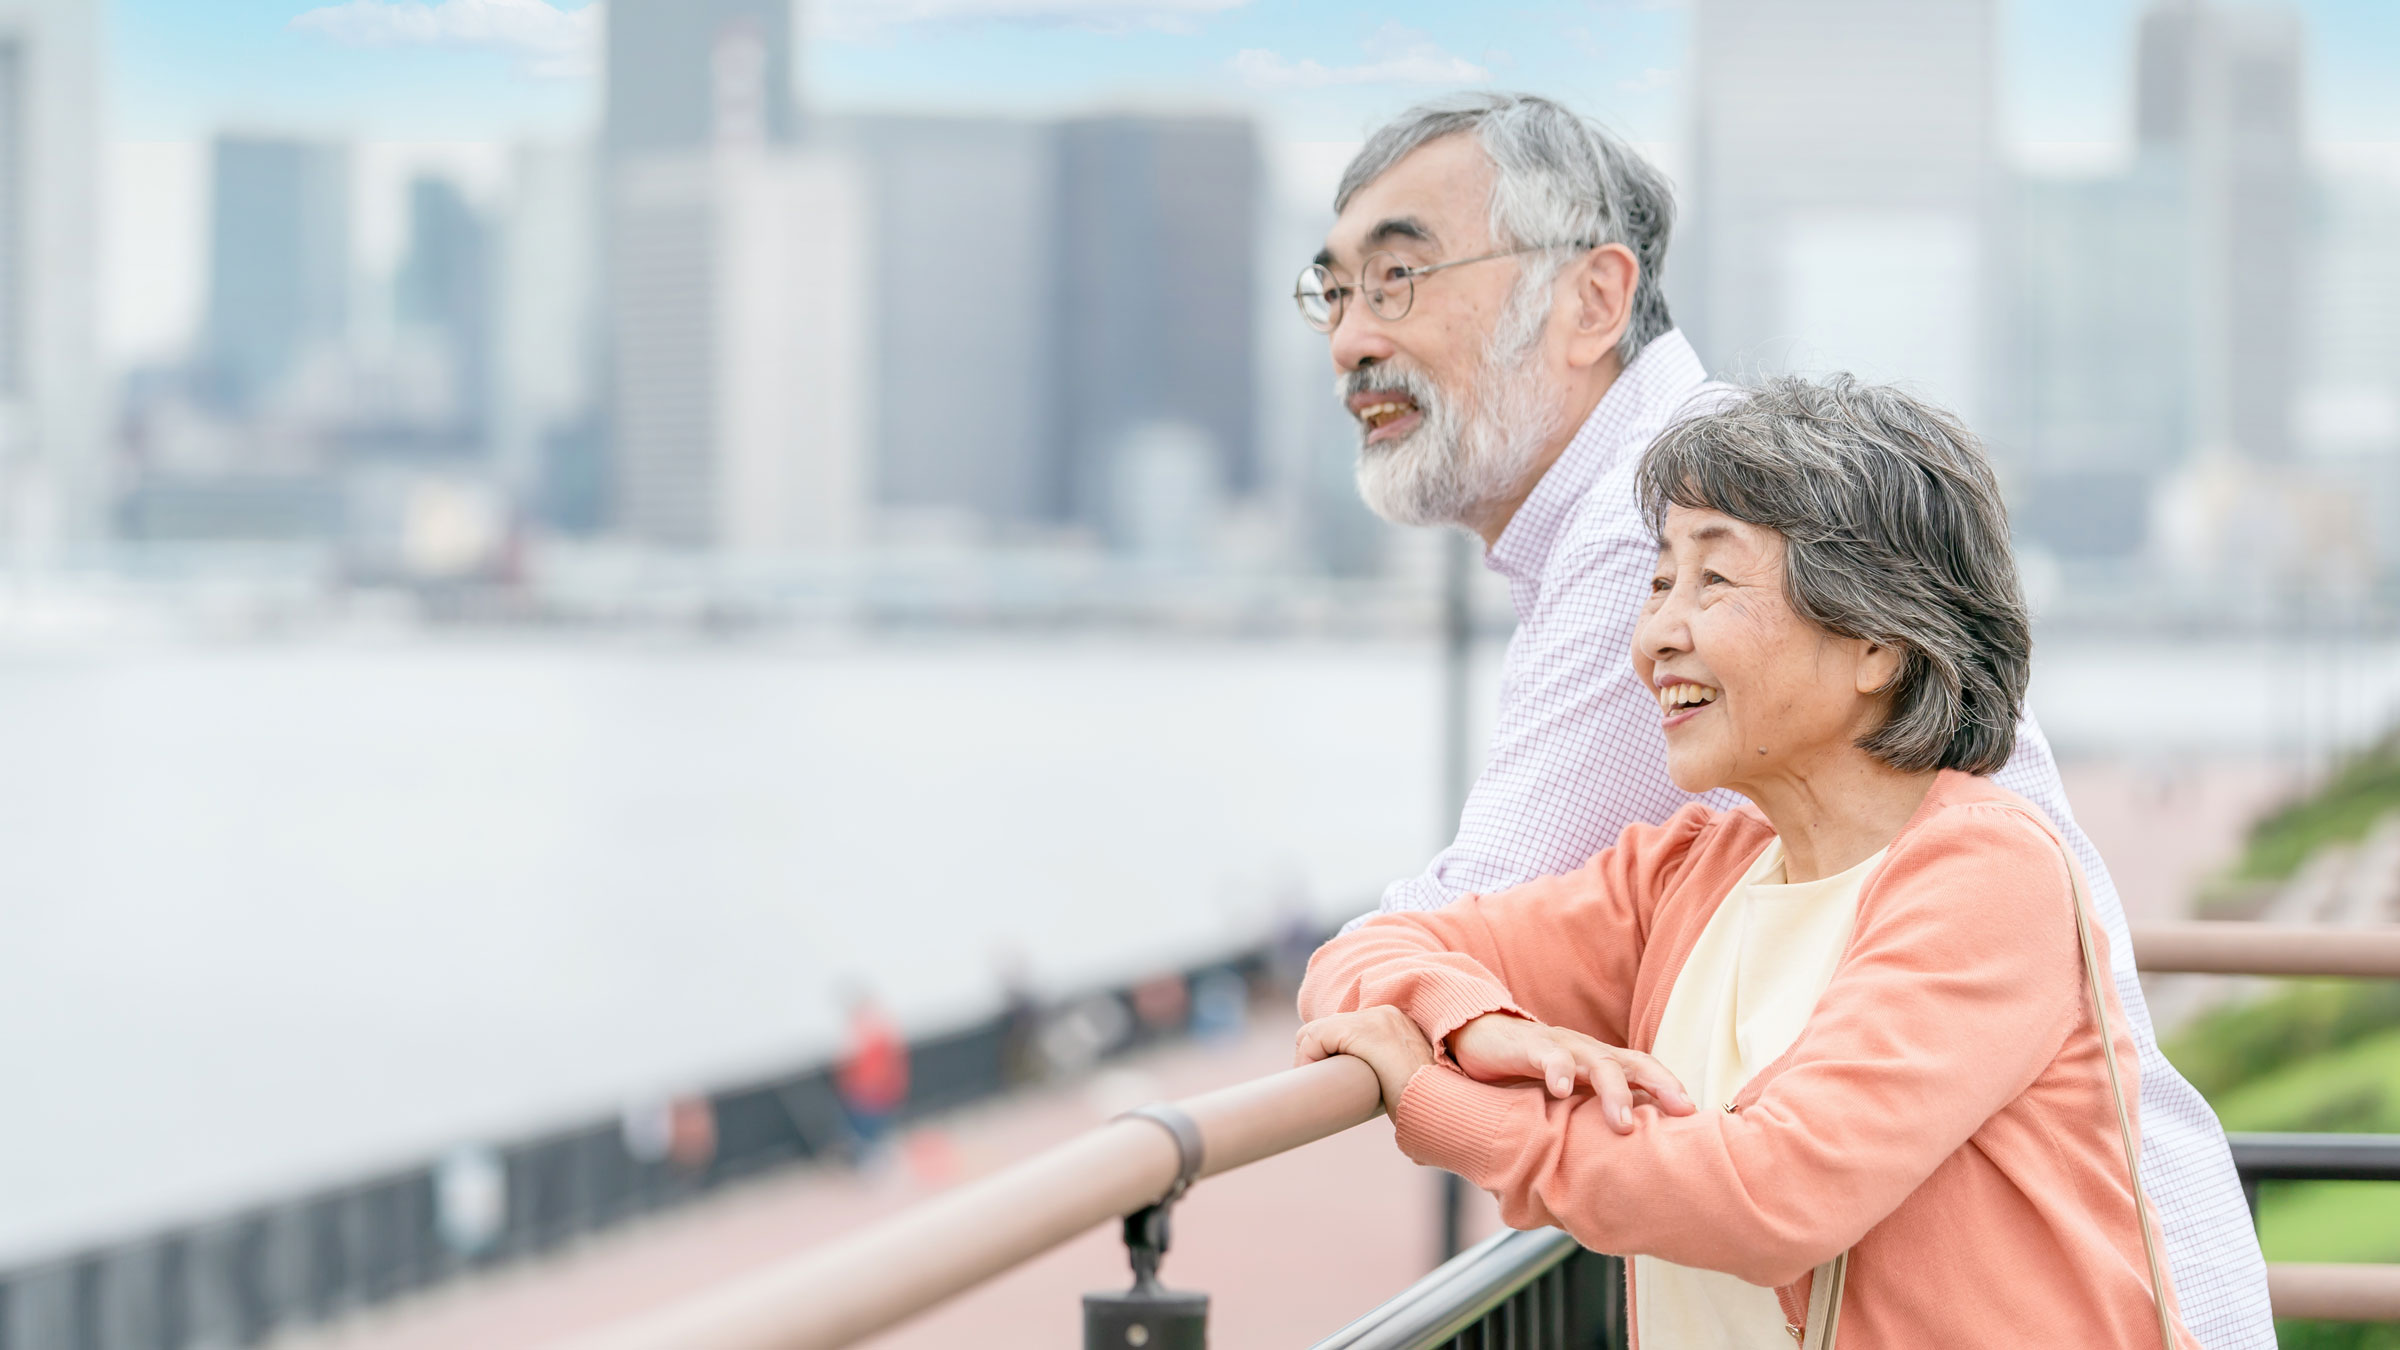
(2116, 1088)
(1825, 1303)
(1825, 1285)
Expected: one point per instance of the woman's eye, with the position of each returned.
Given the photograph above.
(1713, 579)
(1661, 585)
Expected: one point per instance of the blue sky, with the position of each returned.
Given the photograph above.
(443, 85)
(1316, 69)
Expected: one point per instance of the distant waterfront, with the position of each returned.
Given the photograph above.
(282, 911)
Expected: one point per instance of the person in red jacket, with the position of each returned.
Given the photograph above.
(873, 1077)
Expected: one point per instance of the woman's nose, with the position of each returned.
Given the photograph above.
(1662, 631)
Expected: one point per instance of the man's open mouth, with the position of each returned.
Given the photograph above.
(1384, 413)
(1676, 698)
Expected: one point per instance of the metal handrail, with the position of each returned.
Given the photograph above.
(2316, 1157)
(1458, 1293)
(831, 1296)
(2335, 1293)
(2234, 947)
(835, 1295)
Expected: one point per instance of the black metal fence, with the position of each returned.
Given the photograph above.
(235, 1279)
(1537, 1290)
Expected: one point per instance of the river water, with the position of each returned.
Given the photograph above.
(277, 913)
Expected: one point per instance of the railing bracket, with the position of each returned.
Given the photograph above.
(1150, 1316)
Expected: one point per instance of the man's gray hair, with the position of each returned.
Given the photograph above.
(1894, 532)
(1557, 177)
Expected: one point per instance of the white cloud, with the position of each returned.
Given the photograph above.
(1396, 55)
(551, 42)
(857, 19)
(1652, 78)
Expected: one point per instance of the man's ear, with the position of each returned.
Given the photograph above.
(1604, 281)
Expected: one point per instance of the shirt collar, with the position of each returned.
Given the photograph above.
(1662, 378)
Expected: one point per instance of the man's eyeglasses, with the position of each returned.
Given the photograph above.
(1390, 285)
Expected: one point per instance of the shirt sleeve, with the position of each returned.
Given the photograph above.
(1577, 754)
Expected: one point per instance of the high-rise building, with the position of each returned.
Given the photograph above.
(1309, 443)
(1159, 220)
(742, 369)
(965, 318)
(2346, 418)
(278, 261)
(2093, 371)
(2350, 390)
(664, 93)
(444, 290)
(546, 438)
(1825, 229)
(2219, 101)
(50, 460)
(737, 293)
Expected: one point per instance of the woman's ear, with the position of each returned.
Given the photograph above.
(1878, 667)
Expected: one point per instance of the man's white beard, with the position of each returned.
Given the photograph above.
(1446, 473)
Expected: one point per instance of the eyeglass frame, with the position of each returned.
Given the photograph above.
(1334, 306)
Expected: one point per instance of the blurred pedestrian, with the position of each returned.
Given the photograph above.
(873, 1078)
(1020, 1024)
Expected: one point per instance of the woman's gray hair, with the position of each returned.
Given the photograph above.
(1894, 533)
(1557, 177)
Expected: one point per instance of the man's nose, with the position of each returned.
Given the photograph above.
(1358, 340)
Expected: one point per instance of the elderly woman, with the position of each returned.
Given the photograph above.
(1835, 1058)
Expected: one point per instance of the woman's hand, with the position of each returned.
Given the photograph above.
(1382, 1036)
(1502, 1048)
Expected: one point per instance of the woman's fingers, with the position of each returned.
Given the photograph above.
(1308, 1047)
(1616, 1096)
(1597, 1060)
(1326, 1037)
(1499, 1049)
(1555, 1065)
(1648, 1074)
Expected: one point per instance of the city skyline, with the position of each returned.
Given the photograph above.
(178, 75)
(511, 68)
(1813, 234)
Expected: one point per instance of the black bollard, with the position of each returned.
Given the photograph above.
(1148, 1316)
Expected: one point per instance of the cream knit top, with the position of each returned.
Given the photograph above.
(1740, 1001)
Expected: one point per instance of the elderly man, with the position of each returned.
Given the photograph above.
(1490, 290)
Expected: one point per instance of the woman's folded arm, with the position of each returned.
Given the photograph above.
(1560, 949)
(1951, 1002)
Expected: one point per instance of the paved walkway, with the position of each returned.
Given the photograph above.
(1288, 1249)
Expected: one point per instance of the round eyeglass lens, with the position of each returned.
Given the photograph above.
(1389, 285)
(1312, 293)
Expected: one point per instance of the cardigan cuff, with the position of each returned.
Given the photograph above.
(1446, 1003)
(1448, 1120)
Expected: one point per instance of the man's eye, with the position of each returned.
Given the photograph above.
(1713, 579)
(1660, 585)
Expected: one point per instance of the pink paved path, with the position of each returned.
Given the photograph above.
(1289, 1249)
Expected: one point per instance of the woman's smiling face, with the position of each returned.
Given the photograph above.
(1748, 689)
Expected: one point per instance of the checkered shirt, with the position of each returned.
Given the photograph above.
(1577, 754)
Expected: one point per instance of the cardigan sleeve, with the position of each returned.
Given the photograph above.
(1502, 952)
(1958, 992)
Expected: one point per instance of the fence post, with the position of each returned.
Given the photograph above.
(1148, 1316)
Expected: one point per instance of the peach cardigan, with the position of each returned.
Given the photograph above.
(1945, 1115)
